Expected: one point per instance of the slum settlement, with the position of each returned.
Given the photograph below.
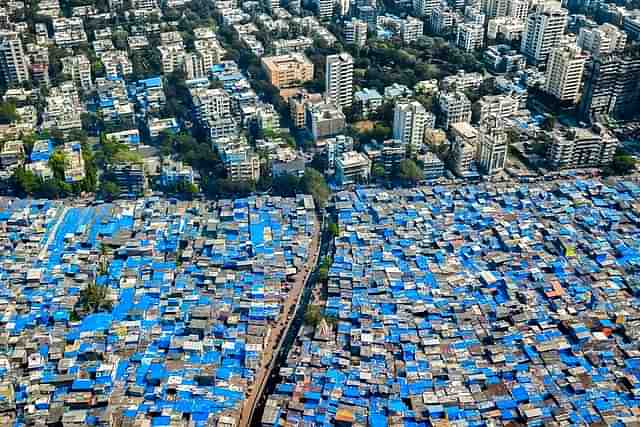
(474, 306)
(147, 312)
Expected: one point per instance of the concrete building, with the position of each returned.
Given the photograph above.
(612, 87)
(564, 73)
(543, 32)
(355, 32)
(410, 29)
(508, 28)
(409, 121)
(352, 167)
(130, 177)
(14, 67)
(464, 147)
(74, 170)
(502, 106)
(285, 71)
(116, 64)
(432, 166)
(579, 148)
(603, 40)
(470, 37)
(298, 106)
(442, 19)
(454, 107)
(339, 79)
(502, 59)
(325, 120)
(78, 68)
(492, 145)
(177, 172)
(241, 163)
(367, 101)
(424, 8)
(267, 117)
(324, 9)
(210, 103)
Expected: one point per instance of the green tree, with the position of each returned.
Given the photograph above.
(333, 229)
(313, 183)
(313, 315)
(8, 113)
(109, 190)
(409, 172)
(93, 299)
(58, 164)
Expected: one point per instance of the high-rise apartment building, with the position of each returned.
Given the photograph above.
(355, 32)
(612, 87)
(409, 121)
(564, 73)
(424, 7)
(339, 79)
(14, 67)
(492, 145)
(543, 32)
(602, 40)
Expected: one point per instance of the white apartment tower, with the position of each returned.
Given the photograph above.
(424, 7)
(602, 41)
(409, 122)
(470, 37)
(492, 145)
(355, 32)
(339, 79)
(564, 73)
(324, 9)
(14, 67)
(543, 31)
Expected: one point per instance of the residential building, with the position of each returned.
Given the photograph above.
(612, 87)
(544, 29)
(464, 147)
(130, 137)
(267, 117)
(367, 101)
(410, 29)
(355, 32)
(334, 147)
(502, 59)
(285, 71)
(392, 153)
(38, 58)
(12, 155)
(74, 170)
(432, 166)
(116, 64)
(339, 79)
(324, 9)
(299, 44)
(175, 172)
(14, 68)
(298, 106)
(492, 145)
(156, 127)
(325, 120)
(564, 73)
(352, 167)
(294, 167)
(63, 108)
(454, 107)
(442, 19)
(409, 119)
(603, 40)
(397, 91)
(462, 81)
(470, 37)
(423, 8)
(503, 106)
(241, 163)
(172, 58)
(510, 29)
(69, 32)
(130, 177)
(580, 148)
(78, 68)
(210, 103)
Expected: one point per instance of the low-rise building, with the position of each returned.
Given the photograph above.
(176, 172)
(367, 101)
(130, 177)
(454, 107)
(432, 166)
(74, 170)
(287, 71)
(352, 167)
(325, 120)
(579, 147)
